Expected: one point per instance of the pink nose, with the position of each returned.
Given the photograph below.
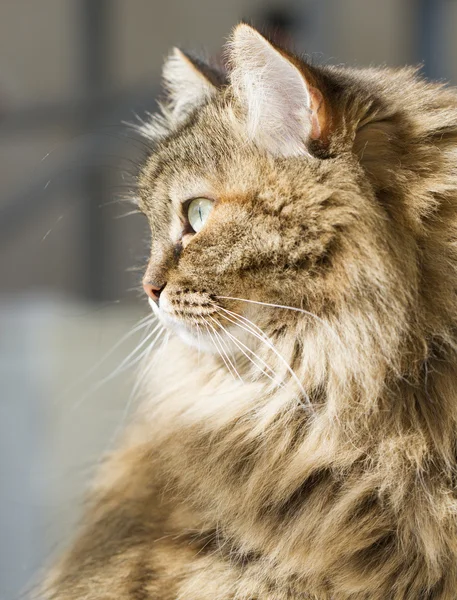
(153, 291)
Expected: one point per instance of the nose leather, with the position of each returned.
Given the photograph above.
(152, 290)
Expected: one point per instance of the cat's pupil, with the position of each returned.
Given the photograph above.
(198, 212)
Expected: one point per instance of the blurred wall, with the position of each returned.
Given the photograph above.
(51, 103)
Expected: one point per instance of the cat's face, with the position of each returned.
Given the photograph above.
(241, 211)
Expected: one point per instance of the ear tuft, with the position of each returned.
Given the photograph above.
(281, 106)
(187, 84)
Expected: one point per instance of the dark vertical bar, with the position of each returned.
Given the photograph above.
(431, 38)
(95, 55)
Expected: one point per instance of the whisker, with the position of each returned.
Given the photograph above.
(239, 342)
(247, 322)
(142, 324)
(220, 350)
(198, 344)
(231, 368)
(123, 366)
(138, 382)
(227, 351)
(241, 326)
(240, 346)
(216, 346)
(140, 345)
(146, 354)
(266, 340)
(293, 308)
(129, 214)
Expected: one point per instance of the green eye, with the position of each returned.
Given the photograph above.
(198, 212)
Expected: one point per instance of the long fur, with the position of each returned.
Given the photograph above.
(327, 470)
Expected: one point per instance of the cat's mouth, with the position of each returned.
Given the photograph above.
(191, 316)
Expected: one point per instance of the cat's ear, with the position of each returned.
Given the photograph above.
(284, 111)
(188, 83)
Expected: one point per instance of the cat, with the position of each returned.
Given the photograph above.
(298, 435)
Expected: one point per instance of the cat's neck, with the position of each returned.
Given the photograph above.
(326, 414)
(246, 458)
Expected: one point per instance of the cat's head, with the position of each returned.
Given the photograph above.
(254, 195)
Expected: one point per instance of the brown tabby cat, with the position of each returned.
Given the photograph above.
(304, 224)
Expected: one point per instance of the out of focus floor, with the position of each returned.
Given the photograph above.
(58, 416)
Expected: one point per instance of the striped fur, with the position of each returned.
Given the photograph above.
(327, 470)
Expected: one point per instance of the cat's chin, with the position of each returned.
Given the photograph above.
(200, 342)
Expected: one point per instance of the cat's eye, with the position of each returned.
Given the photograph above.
(198, 212)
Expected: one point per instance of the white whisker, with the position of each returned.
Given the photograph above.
(227, 351)
(239, 344)
(142, 324)
(198, 344)
(221, 351)
(216, 346)
(293, 308)
(241, 326)
(123, 366)
(245, 321)
(266, 340)
(139, 380)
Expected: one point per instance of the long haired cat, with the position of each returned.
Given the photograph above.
(298, 436)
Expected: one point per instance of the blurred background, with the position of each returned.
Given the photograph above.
(71, 72)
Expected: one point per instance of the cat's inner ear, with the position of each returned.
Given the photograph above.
(188, 82)
(284, 112)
